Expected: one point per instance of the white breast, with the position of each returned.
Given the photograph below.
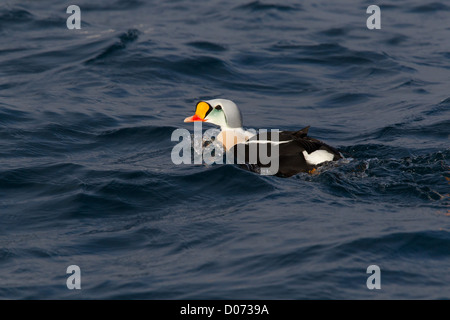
(230, 137)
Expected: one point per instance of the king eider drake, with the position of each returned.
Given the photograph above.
(297, 152)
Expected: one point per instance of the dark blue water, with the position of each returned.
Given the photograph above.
(86, 176)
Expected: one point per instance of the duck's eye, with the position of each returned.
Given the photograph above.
(218, 107)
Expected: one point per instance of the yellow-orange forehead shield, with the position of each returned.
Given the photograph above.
(202, 109)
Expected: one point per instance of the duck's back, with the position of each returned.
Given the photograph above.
(296, 152)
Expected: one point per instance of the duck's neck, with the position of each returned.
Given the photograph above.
(232, 136)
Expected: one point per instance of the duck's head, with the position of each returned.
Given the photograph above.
(221, 112)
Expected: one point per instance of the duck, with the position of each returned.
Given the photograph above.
(297, 152)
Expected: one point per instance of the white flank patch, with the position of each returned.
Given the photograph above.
(268, 141)
(318, 156)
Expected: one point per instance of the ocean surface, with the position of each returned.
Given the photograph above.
(87, 179)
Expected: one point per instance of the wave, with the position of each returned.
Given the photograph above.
(124, 40)
(430, 7)
(259, 6)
